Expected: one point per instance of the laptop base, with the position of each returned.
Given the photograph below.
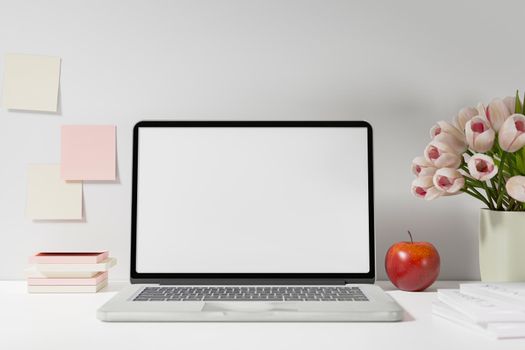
(379, 307)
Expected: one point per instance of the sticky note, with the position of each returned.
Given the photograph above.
(51, 198)
(88, 152)
(31, 82)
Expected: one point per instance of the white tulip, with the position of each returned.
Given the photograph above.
(481, 167)
(480, 136)
(512, 134)
(510, 102)
(516, 188)
(423, 187)
(448, 180)
(464, 115)
(496, 113)
(422, 167)
(442, 155)
(447, 133)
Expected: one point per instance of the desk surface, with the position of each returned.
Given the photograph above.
(67, 321)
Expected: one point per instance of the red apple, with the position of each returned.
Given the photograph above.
(412, 266)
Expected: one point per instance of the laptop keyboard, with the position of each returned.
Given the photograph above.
(251, 294)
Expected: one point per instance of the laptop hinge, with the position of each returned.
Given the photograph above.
(245, 281)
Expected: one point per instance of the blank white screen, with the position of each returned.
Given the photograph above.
(252, 200)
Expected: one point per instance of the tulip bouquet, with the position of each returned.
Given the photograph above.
(481, 153)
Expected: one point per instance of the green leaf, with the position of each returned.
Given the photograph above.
(518, 106)
(519, 164)
(520, 161)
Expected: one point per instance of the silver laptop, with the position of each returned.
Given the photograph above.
(252, 221)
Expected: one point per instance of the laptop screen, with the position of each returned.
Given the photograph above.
(252, 200)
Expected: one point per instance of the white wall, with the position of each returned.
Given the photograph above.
(399, 64)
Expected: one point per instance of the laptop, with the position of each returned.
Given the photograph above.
(252, 221)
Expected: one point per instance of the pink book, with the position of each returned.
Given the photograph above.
(68, 258)
(91, 281)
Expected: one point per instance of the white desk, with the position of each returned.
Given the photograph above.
(67, 321)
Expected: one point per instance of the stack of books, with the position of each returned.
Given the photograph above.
(494, 309)
(68, 272)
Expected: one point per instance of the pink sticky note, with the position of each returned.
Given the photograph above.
(88, 152)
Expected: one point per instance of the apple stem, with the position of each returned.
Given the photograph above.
(411, 240)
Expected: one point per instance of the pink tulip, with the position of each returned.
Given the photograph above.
(496, 113)
(464, 115)
(482, 167)
(448, 134)
(422, 167)
(510, 102)
(448, 180)
(480, 136)
(423, 187)
(512, 133)
(442, 155)
(516, 188)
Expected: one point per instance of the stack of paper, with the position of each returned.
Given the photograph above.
(52, 272)
(495, 309)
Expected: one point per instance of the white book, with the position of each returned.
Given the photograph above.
(478, 309)
(512, 294)
(34, 273)
(493, 330)
(55, 268)
(67, 289)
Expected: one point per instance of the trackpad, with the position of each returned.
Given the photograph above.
(247, 306)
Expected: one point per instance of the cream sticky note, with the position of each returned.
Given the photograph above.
(31, 82)
(51, 198)
(88, 152)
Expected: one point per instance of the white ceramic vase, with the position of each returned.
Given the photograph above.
(502, 246)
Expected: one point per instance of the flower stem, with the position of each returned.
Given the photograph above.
(500, 180)
(512, 204)
(478, 196)
(489, 193)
